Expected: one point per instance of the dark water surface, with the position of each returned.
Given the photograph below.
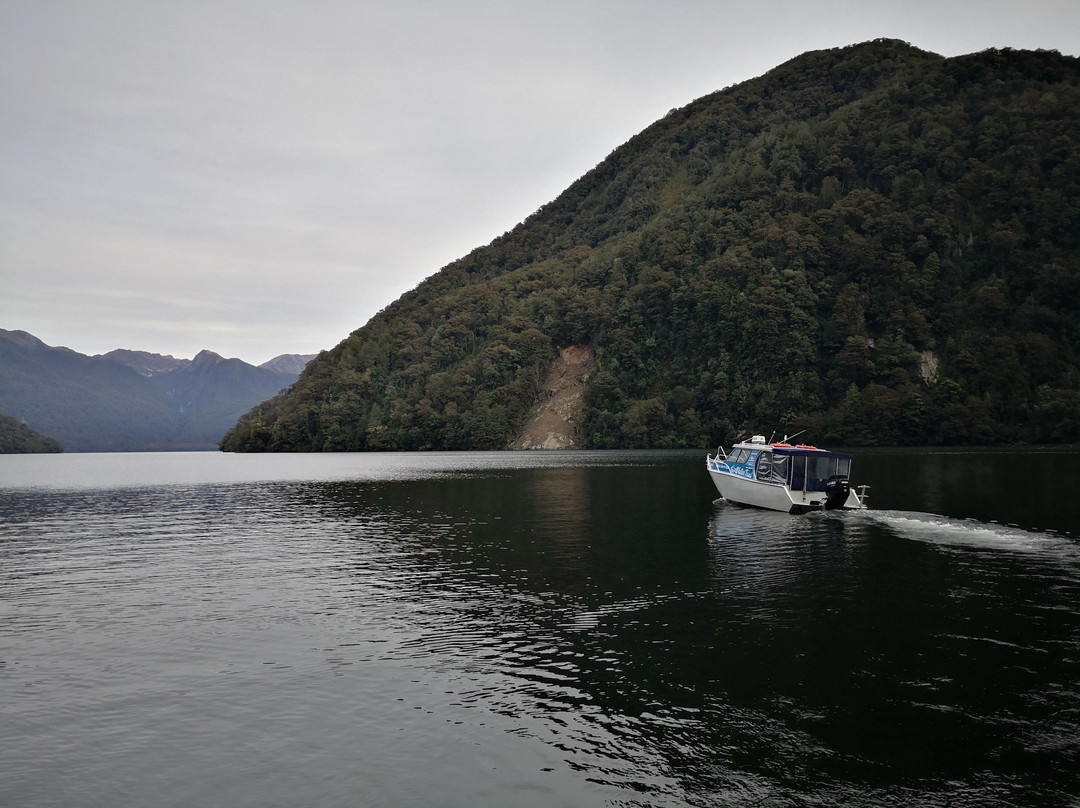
(534, 629)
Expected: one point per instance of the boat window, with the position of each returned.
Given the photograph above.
(764, 466)
(772, 468)
(780, 467)
(798, 473)
(820, 467)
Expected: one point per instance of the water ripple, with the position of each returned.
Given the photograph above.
(441, 639)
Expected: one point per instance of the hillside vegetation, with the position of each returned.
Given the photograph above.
(18, 438)
(875, 243)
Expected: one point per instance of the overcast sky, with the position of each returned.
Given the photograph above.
(259, 177)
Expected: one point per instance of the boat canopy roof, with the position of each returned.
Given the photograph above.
(789, 449)
(803, 450)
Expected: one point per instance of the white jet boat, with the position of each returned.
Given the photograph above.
(785, 477)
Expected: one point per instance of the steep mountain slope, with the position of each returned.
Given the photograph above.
(213, 392)
(875, 243)
(143, 402)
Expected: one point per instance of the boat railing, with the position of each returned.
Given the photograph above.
(720, 455)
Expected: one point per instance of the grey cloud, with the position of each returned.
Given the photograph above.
(260, 177)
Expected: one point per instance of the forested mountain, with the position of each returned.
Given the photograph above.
(127, 400)
(18, 438)
(875, 243)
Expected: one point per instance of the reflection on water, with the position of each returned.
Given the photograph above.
(531, 630)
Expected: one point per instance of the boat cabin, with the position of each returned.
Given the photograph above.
(800, 468)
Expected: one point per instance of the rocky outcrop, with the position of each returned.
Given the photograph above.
(555, 420)
(288, 363)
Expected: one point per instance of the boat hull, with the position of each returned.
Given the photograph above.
(772, 496)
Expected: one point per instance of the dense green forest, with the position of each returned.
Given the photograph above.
(874, 243)
(18, 438)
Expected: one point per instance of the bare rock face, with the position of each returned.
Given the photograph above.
(288, 363)
(554, 424)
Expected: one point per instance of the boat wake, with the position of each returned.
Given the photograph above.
(944, 530)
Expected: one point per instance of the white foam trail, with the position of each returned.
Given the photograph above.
(935, 529)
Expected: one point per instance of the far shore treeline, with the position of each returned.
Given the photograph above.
(17, 438)
(874, 243)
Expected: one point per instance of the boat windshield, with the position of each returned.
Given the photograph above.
(738, 456)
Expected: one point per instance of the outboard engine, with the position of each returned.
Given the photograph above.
(836, 492)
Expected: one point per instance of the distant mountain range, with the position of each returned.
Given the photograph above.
(129, 400)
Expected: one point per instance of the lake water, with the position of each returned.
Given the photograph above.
(535, 629)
